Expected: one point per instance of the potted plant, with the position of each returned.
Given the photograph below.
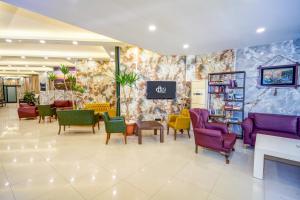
(52, 77)
(29, 98)
(127, 81)
(70, 84)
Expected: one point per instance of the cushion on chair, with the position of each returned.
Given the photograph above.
(61, 103)
(273, 122)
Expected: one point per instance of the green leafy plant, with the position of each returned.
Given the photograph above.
(65, 71)
(127, 79)
(29, 97)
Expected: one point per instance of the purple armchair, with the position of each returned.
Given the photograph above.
(270, 124)
(211, 135)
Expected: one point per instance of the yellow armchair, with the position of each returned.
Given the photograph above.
(179, 122)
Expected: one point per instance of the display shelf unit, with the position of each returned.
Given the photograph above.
(226, 99)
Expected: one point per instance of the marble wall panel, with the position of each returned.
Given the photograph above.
(263, 99)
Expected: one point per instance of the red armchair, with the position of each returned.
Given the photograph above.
(211, 135)
(27, 111)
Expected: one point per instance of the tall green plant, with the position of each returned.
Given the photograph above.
(65, 71)
(52, 77)
(127, 79)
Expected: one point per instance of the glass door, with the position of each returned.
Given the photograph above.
(10, 94)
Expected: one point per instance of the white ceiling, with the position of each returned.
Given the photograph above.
(207, 25)
(25, 54)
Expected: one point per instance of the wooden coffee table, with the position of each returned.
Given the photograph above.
(149, 125)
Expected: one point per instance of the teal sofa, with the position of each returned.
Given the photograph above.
(77, 118)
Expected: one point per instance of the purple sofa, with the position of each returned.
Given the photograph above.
(270, 124)
(211, 135)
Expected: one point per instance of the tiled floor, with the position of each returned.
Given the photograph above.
(36, 163)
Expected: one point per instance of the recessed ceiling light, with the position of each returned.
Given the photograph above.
(68, 58)
(8, 40)
(186, 46)
(42, 41)
(152, 28)
(23, 57)
(75, 42)
(260, 30)
(90, 58)
(46, 58)
(44, 66)
(112, 53)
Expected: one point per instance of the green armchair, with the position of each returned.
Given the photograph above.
(45, 111)
(77, 118)
(114, 125)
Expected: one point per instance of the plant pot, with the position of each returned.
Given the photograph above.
(130, 127)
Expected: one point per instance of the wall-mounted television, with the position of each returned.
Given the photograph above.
(286, 75)
(161, 89)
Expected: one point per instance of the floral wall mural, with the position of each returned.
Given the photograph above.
(199, 66)
(98, 80)
(152, 66)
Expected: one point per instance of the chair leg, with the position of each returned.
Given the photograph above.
(125, 138)
(189, 133)
(40, 119)
(168, 130)
(233, 149)
(181, 131)
(50, 119)
(226, 158)
(59, 130)
(64, 127)
(98, 125)
(175, 133)
(196, 149)
(107, 137)
(93, 127)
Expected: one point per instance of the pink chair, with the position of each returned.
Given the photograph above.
(211, 135)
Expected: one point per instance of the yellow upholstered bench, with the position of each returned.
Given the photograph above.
(101, 108)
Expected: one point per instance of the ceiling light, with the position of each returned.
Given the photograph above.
(75, 42)
(112, 53)
(9, 65)
(68, 58)
(44, 66)
(90, 59)
(186, 46)
(260, 30)
(42, 41)
(8, 40)
(152, 28)
(23, 57)
(46, 58)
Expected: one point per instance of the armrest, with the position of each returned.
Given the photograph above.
(247, 125)
(208, 132)
(117, 118)
(172, 118)
(33, 108)
(217, 126)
